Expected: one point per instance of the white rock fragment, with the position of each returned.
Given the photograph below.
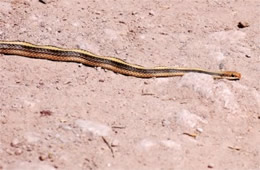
(32, 137)
(66, 127)
(115, 143)
(147, 144)
(93, 127)
(200, 83)
(142, 36)
(188, 119)
(171, 144)
(76, 24)
(225, 98)
(30, 166)
(200, 130)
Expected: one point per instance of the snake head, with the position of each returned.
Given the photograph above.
(231, 75)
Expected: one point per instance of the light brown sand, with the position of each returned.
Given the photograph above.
(68, 116)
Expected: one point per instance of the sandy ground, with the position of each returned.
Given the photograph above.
(56, 115)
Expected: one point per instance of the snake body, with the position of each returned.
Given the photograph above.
(111, 63)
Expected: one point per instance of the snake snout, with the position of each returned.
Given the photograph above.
(233, 75)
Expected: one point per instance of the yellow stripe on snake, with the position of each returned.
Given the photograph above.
(111, 63)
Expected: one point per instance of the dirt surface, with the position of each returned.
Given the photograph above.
(56, 115)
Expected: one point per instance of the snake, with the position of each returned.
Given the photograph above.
(114, 64)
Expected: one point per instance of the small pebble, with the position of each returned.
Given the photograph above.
(15, 143)
(43, 157)
(9, 151)
(29, 148)
(210, 166)
(242, 24)
(151, 13)
(199, 130)
(18, 151)
(42, 1)
(115, 143)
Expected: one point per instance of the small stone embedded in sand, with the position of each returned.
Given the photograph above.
(242, 24)
(32, 137)
(165, 122)
(18, 151)
(15, 143)
(200, 83)
(151, 13)
(210, 166)
(171, 144)
(147, 144)
(225, 97)
(187, 119)
(46, 113)
(93, 127)
(42, 1)
(115, 143)
(200, 130)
